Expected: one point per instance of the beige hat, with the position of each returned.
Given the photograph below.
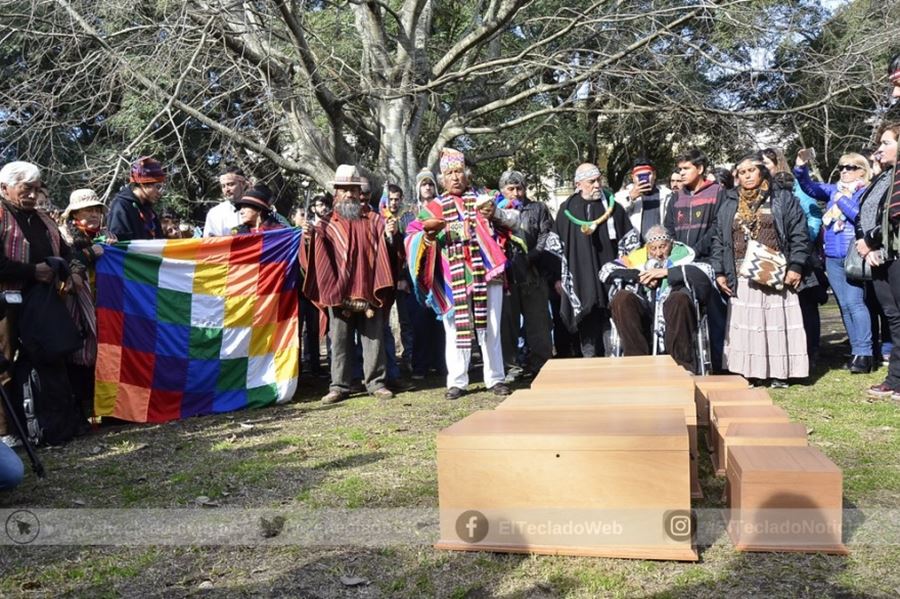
(82, 198)
(347, 174)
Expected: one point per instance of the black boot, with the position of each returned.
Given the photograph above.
(861, 364)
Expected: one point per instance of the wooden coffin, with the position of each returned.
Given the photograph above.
(714, 382)
(784, 499)
(617, 399)
(725, 416)
(734, 397)
(569, 482)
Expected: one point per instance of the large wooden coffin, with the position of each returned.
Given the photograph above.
(714, 382)
(617, 399)
(734, 397)
(725, 416)
(784, 499)
(571, 482)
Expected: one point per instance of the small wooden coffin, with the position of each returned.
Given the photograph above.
(569, 482)
(784, 499)
(618, 399)
(734, 397)
(714, 382)
(725, 416)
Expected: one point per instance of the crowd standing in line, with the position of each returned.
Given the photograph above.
(746, 252)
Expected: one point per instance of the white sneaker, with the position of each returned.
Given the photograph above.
(10, 441)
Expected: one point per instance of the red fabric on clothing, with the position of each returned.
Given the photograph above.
(348, 260)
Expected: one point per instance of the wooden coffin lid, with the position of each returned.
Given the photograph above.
(753, 396)
(621, 399)
(766, 430)
(717, 382)
(772, 464)
(657, 429)
(727, 414)
(629, 361)
(628, 379)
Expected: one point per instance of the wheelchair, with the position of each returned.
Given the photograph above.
(702, 350)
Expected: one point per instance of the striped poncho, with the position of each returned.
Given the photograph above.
(455, 269)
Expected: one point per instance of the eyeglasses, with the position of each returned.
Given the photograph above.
(849, 167)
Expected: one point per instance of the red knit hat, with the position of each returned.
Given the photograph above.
(147, 170)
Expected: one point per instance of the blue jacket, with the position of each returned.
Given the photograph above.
(836, 242)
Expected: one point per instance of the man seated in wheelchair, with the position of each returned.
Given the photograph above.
(652, 298)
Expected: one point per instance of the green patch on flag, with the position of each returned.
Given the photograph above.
(142, 268)
(232, 375)
(173, 306)
(205, 343)
(261, 396)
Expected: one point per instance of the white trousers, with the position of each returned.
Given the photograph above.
(489, 341)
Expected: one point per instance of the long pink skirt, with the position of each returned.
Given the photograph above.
(765, 337)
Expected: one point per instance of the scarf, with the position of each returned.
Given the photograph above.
(749, 203)
(464, 238)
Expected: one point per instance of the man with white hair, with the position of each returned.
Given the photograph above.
(29, 242)
(653, 292)
(594, 230)
(456, 260)
(528, 270)
(349, 272)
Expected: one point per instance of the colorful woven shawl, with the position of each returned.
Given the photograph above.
(468, 259)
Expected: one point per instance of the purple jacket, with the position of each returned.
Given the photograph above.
(836, 242)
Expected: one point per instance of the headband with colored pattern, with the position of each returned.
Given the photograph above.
(664, 236)
(590, 173)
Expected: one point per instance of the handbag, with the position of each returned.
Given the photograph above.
(763, 265)
(855, 266)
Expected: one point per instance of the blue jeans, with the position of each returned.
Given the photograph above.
(11, 469)
(852, 302)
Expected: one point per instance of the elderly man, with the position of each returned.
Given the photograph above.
(131, 212)
(349, 271)
(653, 290)
(223, 219)
(32, 251)
(455, 258)
(594, 230)
(528, 271)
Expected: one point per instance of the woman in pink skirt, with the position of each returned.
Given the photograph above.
(765, 339)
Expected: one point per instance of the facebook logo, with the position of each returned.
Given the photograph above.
(471, 526)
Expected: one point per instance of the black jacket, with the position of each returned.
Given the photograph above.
(129, 219)
(790, 227)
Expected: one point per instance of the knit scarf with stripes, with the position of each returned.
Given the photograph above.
(462, 241)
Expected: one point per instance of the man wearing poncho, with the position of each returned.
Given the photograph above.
(594, 230)
(349, 272)
(652, 290)
(457, 263)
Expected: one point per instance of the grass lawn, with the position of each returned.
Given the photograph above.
(364, 453)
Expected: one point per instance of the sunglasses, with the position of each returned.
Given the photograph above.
(849, 167)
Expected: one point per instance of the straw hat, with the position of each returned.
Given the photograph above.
(347, 174)
(82, 198)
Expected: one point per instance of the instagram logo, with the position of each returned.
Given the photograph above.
(678, 524)
(471, 526)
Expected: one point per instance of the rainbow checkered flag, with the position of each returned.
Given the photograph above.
(197, 326)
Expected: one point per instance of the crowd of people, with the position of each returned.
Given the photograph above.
(745, 252)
